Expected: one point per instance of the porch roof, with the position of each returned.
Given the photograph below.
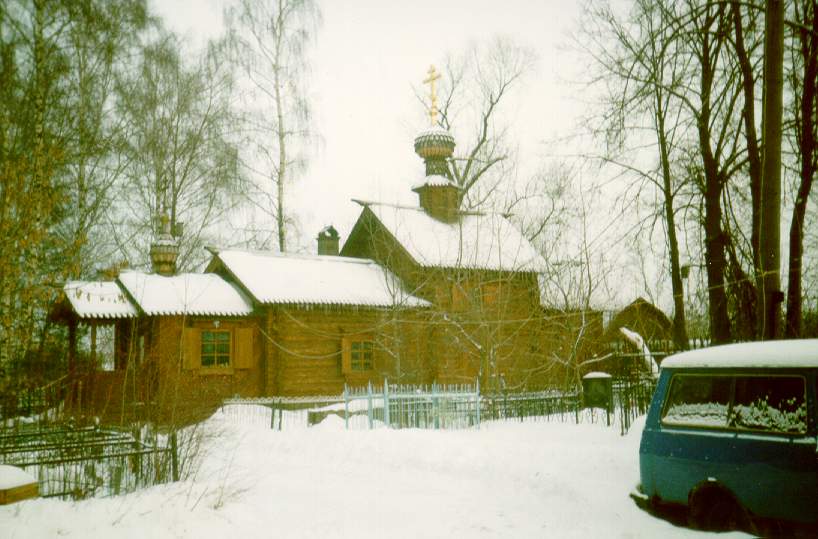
(98, 299)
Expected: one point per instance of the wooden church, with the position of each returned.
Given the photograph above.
(416, 294)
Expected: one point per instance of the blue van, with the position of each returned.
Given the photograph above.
(732, 434)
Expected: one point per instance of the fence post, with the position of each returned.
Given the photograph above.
(369, 403)
(174, 456)
(346, 408)
(477, 390)
(435, 406)
(386, 418)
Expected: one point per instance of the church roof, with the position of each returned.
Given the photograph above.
(486, 241)
(98, 299)
(314, 279)
(200, 294)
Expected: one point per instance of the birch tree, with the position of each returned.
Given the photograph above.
(271, 40)
(180, 148)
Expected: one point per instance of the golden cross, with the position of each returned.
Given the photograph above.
(430, 80)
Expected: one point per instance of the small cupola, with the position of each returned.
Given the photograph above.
(328, 241)
(164, 250)
(437, 193)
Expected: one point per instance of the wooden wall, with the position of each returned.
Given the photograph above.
(305, 348)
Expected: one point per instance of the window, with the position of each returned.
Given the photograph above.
(358, 354)
(771, 403)
(361, 356)
(758, 403)
(698, 400)
(215, 349)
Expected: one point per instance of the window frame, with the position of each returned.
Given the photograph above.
(216, 354)
(358, 355)
(362, 359)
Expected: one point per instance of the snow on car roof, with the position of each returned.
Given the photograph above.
(486, 241)
(316, 279)
(98, 299)
(188, 293)
(767, 354)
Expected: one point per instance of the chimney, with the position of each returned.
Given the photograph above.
(328, 241)
(164, 250)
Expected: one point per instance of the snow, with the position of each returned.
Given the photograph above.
(435, 131)
(98, 299)
(769, 354)
(188, 293)
(477, 241)
(708, 414)
(507, 479)
(596, 375)
(13, 477)
(434, 180)
(315, 279)
(638, 341)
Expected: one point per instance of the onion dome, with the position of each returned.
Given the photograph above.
(164, 250)
(435, 146)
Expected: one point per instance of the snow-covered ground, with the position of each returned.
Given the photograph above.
(506, 479)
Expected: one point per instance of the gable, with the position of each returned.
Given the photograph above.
(476, 241)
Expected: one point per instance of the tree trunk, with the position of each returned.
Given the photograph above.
(749, 306)
(679, 322)
(714, 238)
(806, 140)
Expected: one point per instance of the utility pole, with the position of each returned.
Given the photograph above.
(770, 295)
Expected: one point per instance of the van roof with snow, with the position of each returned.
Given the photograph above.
(801, 353)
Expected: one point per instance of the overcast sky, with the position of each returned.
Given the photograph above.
(366, 58)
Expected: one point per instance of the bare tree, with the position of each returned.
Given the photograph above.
(640, 63)
(804, 88)
(271, 39)
(473, 88)
(180, 147)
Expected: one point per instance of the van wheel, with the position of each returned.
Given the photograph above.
(713, 509)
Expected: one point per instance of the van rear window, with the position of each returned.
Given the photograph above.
(769, 403)
(757, 403)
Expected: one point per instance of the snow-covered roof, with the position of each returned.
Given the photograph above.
(767, 354)
(595, 374)
(98, 299)
(315, 279)
(477, 241)
(189, 293)
(434, 180)
(434, 131)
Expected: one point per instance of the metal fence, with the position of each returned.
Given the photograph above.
(415, 406)
(538, 406)
(79, 463)
(33, 403)
(439, 406)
